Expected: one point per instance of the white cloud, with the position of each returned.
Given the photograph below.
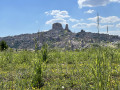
(89, 25)
(44, 30)
(117, 32)
(94, 19)
(73, 20)
(47, 13)
(80, 2)
(115, 1)
(105, 26)
(84, 25)
(92, 25)
(81, 20)
(118, 25)
(58, 14)
(63, 21)
(92, 3)
(79, 25)
(110, 19)
(89, 11)
(61, 17)
(95, 3)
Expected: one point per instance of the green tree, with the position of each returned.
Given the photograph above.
(3, 45)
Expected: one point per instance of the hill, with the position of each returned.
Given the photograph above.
(58, 37)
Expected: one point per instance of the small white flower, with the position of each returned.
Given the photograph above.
(63, 87)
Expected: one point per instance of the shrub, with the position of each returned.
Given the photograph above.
(3, 45)
(37, 80)
(95, 45)
(44, 52)
(118, 45)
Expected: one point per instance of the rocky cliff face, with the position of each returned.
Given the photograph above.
(66, 27)
(57, 26)
(58, 37)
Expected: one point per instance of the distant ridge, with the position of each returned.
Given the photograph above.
(58, 37)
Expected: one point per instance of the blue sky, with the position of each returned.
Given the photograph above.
(29, 16)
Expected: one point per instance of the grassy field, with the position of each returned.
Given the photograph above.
(88, 69)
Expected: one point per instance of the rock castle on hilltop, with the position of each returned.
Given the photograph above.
(58, 37)
(58, 26)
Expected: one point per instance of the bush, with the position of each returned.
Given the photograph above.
(95, 45)
(118, 45)
(44, 52)
(37, 80)
(3, 45)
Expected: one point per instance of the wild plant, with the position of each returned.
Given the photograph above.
(37, 80)
(3, 45)
(44, 52)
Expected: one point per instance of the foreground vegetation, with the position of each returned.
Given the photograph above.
(89, 69)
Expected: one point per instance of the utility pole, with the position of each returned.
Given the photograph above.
(98, 22)
(98, 27)
(107, 28)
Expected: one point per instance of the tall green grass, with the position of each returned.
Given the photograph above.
(95, 68)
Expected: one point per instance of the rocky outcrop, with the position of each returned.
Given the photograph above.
(57, 26)
(66, 27)
(58, 37)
